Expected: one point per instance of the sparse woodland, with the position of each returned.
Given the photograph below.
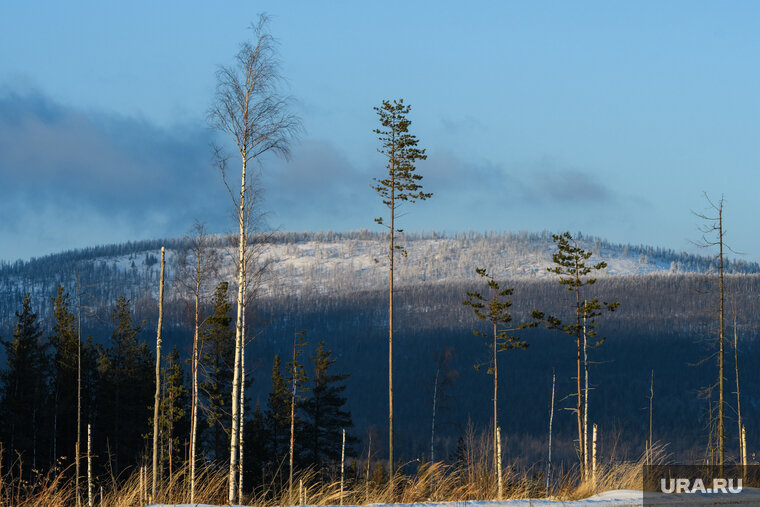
(273, 345)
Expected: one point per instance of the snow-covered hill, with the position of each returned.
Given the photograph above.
(330, 262)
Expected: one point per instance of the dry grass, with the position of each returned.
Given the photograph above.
(431, 482)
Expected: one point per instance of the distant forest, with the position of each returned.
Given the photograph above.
(666, 325)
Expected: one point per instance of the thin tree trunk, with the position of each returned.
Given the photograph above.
(651, 400)
(79, 387)
(342, 464)
(242, 415)
(89, 465)
(579, 415)
(158, 375)
(551, 420)
(738, 398)
(292, 418)
(585, 393)
(390, 339)
(495, 397)
(593, 457)
(721, 431)
(194, 394)
(432, 427)
(235, 430)
(498, 464)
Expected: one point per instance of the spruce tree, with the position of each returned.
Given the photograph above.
(325, 413)
(24, 389)
(278, 415)
(174, 419)
(218, 358)
(125, 390)
(64, 343)
(400, 186)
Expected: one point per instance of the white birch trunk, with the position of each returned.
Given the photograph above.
(498, 464)
(89, 465)
(156, 402)
(551, 420)
(194, 395)
(242, 413)
(593, 457)
(235, 429)
(342, 465)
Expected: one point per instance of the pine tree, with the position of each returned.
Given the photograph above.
(400, 186)
(325, 412)
(496, 311)
(218, 358)
(64, 343)
(570, 265)
(278, 415)
(125, 390)
(174, 418)
(24, 388)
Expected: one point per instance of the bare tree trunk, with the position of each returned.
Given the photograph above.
(651, 400)
(293, 418)
(235, 434)
(578, 405)
(551, 420)
(495, 397)
(390, 350)
(585, 394)
(157, 398)
(432, 427)
(242, 413)
(593, 458)
(79, 385)
(194, 394)
(342, 464)
(89, 465)
(738, 398)
(721, 430)
(498, 464)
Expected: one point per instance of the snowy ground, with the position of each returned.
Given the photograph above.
(620, 498)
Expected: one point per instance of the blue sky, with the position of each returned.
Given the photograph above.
(608, 118)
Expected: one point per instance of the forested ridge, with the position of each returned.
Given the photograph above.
(665, 324)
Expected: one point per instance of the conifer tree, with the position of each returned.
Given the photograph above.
(125, 389)
(297, 378)
(278, 414)
(24, 387)
(401, 185)
(496, 311)
(325, 412)
(573, 272)
(173, 410)
(65, 345)
(218, 358)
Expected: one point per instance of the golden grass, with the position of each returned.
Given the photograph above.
(431, 482)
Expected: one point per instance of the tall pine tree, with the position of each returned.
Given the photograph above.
(24, 389)
(64, 344)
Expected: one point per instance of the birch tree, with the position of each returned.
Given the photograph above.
(401, 185)
(251, 112)
(197, 266)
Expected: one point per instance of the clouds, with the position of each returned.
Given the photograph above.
(60, 165)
